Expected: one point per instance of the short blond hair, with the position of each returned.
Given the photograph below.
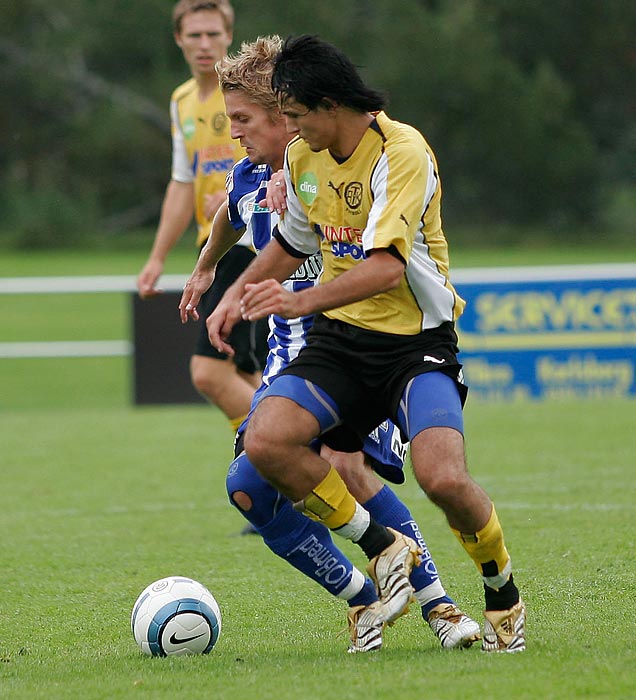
(184, 7)
(250, 70)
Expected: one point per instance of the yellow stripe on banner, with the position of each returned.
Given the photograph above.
(473, 342)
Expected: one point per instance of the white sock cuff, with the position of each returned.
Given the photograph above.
(357, 526)
(501, 579)
(354, 586)
(431, 592)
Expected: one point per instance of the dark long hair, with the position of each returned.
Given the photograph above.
(314, 72)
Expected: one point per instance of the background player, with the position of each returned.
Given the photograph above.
(202, 154)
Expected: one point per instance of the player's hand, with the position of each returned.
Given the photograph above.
(147, 279)
(211, 203)
(276, 197)
(220, 324)
(268, 297)
(193, 290)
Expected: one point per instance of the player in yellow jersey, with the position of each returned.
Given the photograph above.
(251, 105)
(365, 190)
(202, 154)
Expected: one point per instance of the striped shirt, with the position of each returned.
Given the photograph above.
(246, 186)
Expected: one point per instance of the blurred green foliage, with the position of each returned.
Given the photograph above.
(529, 106)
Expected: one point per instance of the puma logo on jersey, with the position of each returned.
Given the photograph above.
(430, 358)
(336, 189)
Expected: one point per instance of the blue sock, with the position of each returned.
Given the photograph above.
(308, 547)
(367, 594)
(304, 543)
(386, 508)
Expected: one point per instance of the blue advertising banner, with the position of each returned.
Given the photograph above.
(559, 332)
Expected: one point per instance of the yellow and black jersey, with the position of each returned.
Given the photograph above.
(202, 149)
(385, 195)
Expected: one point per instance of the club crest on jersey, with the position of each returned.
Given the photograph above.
(353, 196)
(219, 120)
(307, 187)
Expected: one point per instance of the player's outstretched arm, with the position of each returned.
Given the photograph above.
(176, 214)
(222, 320)
(222, 237)
(275, 264)
(269, 297)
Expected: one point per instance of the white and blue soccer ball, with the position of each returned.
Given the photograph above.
(176, 616)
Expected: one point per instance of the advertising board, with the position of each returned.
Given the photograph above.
(549, 332)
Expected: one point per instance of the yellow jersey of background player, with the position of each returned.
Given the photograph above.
(351, 207)
(203, 150)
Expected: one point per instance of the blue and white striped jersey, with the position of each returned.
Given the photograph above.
(246, 185)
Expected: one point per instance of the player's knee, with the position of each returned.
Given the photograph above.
(203, 384)
(260, 445)
(200, 380)
(206, 377)
(443, 486)
(249, 492)
(241, 500)
(240, 478)
(438, 487)
(439, 463)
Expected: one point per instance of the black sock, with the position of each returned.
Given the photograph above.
(375, 539)
(504, 598)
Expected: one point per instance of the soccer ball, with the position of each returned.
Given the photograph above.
(176, 616)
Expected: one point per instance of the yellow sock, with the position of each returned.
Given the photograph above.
(487, 546)
(330, 502)
(236, 422)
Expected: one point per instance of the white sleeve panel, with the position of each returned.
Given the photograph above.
(294, 226)
(378, 185)
(396, 217)
(181, 166)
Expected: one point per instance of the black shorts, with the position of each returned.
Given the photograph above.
(249, 339)
(366, 372)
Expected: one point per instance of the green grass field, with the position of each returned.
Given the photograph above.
(97, 501)
(99, 498)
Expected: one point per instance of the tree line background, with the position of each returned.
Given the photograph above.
(530, 106)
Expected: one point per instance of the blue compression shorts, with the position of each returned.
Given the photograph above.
(429, 400)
